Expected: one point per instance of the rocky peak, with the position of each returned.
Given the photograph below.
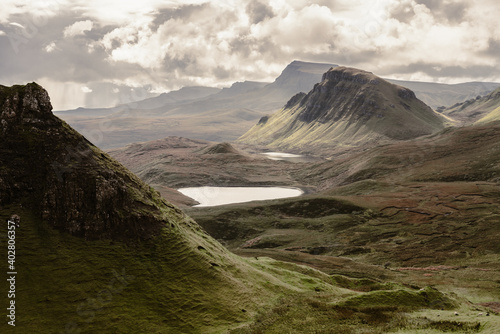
(353, 93)
(297, 98)
(23, 104)
(301, 75)
(494, 95)
(342, 73)
(51, 169)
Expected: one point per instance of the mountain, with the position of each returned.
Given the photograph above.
(179, 96)
(437, 95)
(224, 115)
(478, 110)
(348, 108)
(193, 112)
(99, 251)
(298, 76)
(240, 88)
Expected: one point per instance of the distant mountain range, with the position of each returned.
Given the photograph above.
(348, 108)
(438, 95)
(479, 110)
(225, 114)
(194, 112)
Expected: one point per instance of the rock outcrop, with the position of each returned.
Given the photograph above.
(50, 168)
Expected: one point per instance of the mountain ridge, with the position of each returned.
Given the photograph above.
(479, 110)
(349, 107)
(226, 114)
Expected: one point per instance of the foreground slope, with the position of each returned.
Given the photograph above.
(348, 108)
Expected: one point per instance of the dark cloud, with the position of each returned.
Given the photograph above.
(493, 48)
(183, 13)
(70, 60)
(403, 12)
(258, 11)
(444, 10)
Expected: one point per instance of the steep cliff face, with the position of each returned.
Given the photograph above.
(67, 181)
(349, 107)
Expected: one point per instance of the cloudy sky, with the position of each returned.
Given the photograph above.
(103, 52)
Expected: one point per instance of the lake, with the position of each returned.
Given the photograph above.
(289, 157)
(212, 196)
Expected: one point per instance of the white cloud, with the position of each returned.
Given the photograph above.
(37, 11)
(50, 47)
(169, 44)
(381, 36)
(15, 24)
(86, 89)
(78, 28)
(2, 33)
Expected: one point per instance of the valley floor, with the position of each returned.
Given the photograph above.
(388, 215)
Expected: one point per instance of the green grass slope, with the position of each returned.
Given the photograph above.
(349, 108)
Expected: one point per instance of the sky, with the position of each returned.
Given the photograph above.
(99, 53)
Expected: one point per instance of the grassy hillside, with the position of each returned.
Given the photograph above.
(68, 285)
(398, 236)
(184, 282)
(417, 212)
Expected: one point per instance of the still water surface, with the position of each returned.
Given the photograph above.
(212, 196)
(289, 157)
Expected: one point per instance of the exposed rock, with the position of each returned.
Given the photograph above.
(263, 120)
(77, 188)
(297, 98)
